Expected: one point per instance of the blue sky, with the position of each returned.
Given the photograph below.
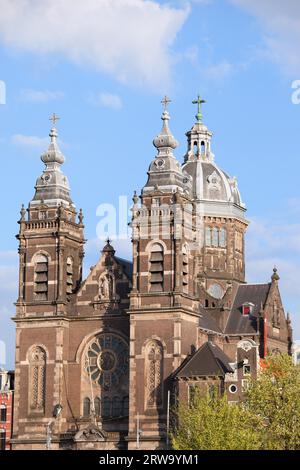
(103, 66)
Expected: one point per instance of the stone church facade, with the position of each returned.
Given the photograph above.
(115, 348)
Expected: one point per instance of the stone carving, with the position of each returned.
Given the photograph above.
(245, 345)
(154, 369)
(214, 181)
(37, 371)
(106, 287)
(91, 433)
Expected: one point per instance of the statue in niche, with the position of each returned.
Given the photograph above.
(106, 287)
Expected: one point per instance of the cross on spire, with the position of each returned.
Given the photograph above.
(54, 118)
(198, 102)
(165, 102)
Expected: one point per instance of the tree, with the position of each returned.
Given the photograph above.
(275, 397)
(211, 423)
(267, 419)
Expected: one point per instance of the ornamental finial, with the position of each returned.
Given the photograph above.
(198, 102)
(165, 102)
(54, 119)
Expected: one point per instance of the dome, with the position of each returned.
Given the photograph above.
(210, 185)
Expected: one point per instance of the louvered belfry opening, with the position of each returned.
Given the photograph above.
(69, 276)
(41, 278)
(157, 268)
(185, 269)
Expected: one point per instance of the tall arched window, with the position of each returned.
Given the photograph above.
(37, 379)
(222, 238)
(97, 406)
(154, 374)
(207, 236)
(215, 236)
(116, 407)
(156, 268)
(69, 275)
(106, 405)
(125, 406)
(86, 407)
(185, 269)
(195, 148)
(202, 147)
(41, 277)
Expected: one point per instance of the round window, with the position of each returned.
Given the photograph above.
(233, 388)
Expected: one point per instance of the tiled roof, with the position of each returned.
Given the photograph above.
(209, 360)
(127, 266)
(256, 294)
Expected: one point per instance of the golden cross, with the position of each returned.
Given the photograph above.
(54, 118)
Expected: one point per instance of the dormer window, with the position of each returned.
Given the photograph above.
(247, 308)
(156, 202)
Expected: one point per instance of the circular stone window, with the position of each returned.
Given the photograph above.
(233, 388)
(216, 291)
(106, 360)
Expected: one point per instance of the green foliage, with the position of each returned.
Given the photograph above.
(269, 417)
(213, 424)
(276, 398)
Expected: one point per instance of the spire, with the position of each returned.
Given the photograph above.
(52, 187)
(165, 142)
(275, 276)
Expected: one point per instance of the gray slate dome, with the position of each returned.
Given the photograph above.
(211, 186)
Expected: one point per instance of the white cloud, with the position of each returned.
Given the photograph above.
(29, 141)
(106, 100)
(39, 96)
(280, 21)
(219, 71)
(129, 39)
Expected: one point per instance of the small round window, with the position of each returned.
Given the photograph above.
(233, 388)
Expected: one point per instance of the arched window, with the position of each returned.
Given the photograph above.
(69, 275)
(116, 407)
(125, 406)
(202, 147)
(106, 411)
(215, 236)
(156, 268)
(97, 406)
(154, 374)
(86, 407)
(222, 238)
(41, 277)
(185, 269)
(206, 304)
(208, 236)
(195, 148)
(37, 379)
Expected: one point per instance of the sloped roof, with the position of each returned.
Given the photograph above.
(256, 294)
(209, 360)
(127, 266)
(207, 322)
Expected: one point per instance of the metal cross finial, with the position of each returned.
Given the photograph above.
(54, 118)
(199, 101)
(165, 102)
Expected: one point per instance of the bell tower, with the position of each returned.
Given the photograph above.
(51, 241)
(163, 323)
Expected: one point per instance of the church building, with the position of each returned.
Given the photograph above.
(99, 360)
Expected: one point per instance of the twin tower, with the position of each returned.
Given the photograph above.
(110, 350)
